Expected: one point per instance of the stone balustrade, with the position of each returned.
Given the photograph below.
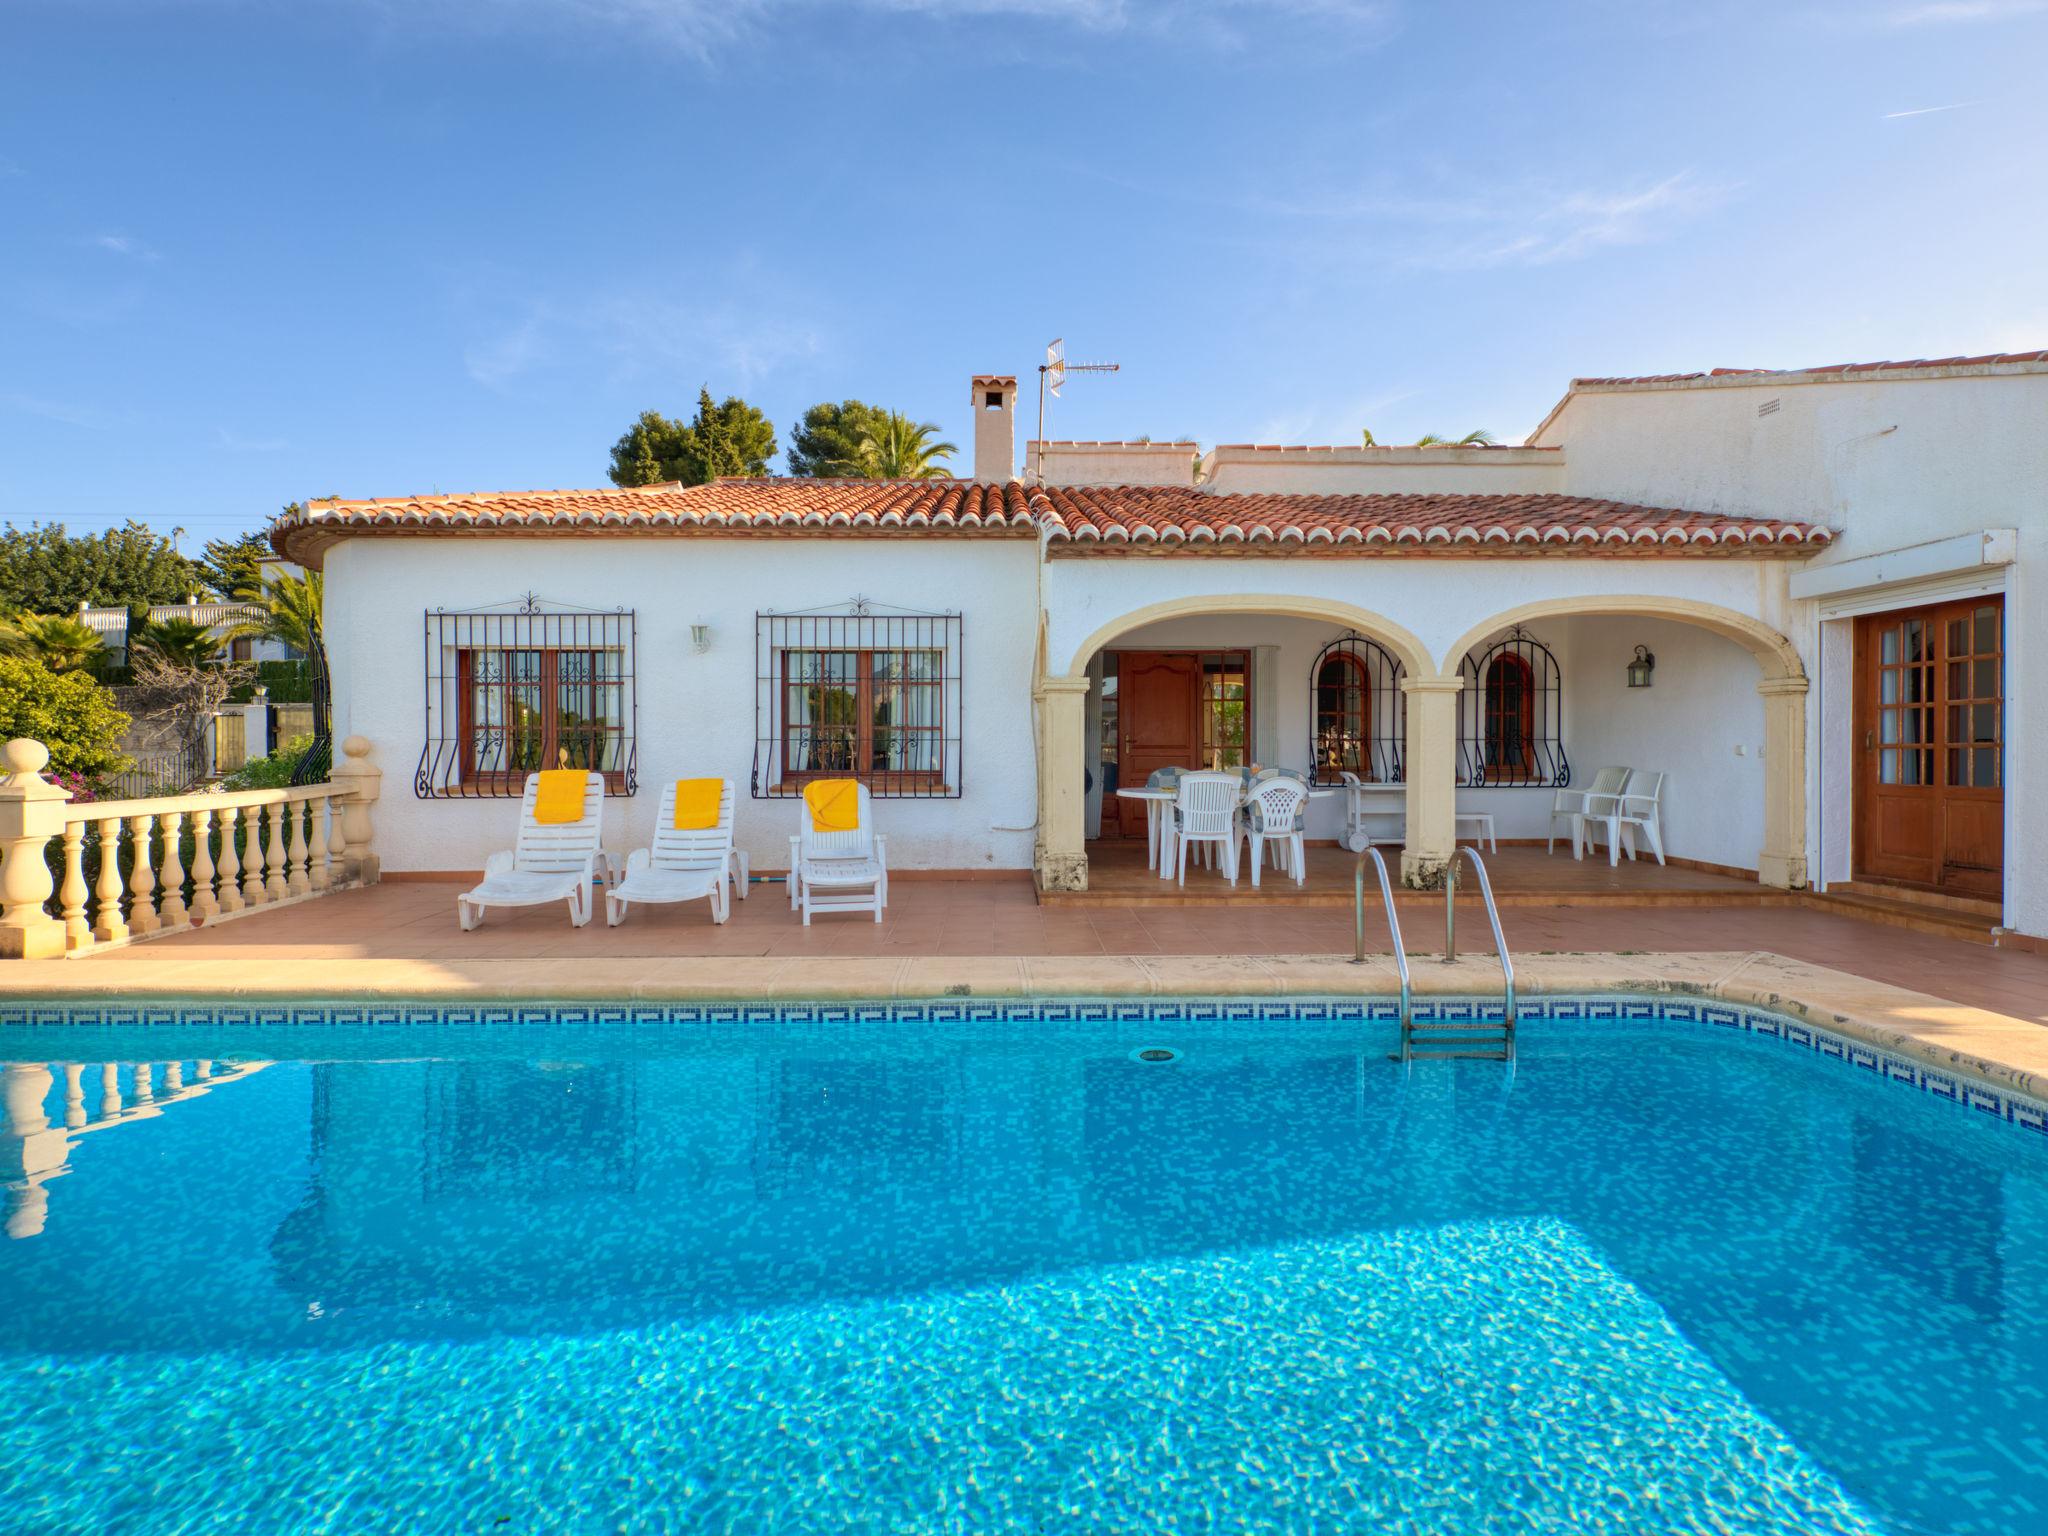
(136, 869)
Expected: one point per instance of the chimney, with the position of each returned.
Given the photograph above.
(994, 398)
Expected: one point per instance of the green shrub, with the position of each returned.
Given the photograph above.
(68, 712)
(272, 772)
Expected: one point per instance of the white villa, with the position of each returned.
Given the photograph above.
(1827, 568)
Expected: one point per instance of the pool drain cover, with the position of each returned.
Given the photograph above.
(1155, 1054)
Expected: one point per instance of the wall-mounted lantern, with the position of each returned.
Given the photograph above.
(700, 638)
(1640, 669)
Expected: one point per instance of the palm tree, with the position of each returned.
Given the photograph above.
(901, 449)
(1478, 438)
(180, 642)
(1367, 440)
(289, 611)
(58, 641)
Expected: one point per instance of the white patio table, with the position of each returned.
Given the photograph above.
(1158, 841)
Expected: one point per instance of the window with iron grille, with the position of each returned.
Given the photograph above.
(1358, 715)
(526, 686)
(858, 691)
(1511, 715)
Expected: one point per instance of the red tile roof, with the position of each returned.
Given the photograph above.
(1129, 516)
(1079, 518)
(738, 506)
(1988, 359)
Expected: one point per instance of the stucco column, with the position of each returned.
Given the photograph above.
(31, 814)
(1061, 860)
(1783, 859)
(1432, 779)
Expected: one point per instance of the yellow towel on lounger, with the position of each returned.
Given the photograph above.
(834, 805)
(560, 797)
(697, 804)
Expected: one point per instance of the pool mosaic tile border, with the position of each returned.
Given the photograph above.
(1952, 1087)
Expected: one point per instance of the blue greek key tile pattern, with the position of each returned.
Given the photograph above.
(2000, 1104)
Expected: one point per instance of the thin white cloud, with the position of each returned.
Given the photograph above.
(1954, 106)
(1950, 13)
(125, 245)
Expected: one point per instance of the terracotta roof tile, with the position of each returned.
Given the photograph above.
(1130, 516)
(1985, 360)
(1080, 518)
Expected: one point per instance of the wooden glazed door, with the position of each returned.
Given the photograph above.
(1156, 722)
(1931, 726)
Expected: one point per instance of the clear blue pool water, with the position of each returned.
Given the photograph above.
(960, 1271)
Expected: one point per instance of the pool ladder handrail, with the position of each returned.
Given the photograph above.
(1500, 943)
(1393, 928)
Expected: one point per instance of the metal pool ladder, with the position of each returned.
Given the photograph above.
(1478, 1039)
(1393, 928)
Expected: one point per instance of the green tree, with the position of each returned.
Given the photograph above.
(45, 570)
(903, 450)
(58, 641)
(290, 611)
(727, 438)
(67, 712)
(827, 441)
(178, 641)
(1480, 438)
(234, 567)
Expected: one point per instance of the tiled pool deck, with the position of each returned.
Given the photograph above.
(1960, 1006)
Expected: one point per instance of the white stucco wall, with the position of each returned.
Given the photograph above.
(1890, 463)
(1081, 463)
(696, 712)
(1700, 721)
(1383, 471)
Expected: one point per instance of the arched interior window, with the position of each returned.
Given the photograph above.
(1510, 722)
(1343, 716)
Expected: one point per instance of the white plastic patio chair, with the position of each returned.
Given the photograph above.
(1205, 815)
(1274, 818)
(1639, 807)
(1569, 805)
(680, 865)
(839, 871)
(557, 861)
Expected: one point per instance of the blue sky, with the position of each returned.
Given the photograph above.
(252, 252)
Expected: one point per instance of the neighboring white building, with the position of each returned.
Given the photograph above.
(1828, 567)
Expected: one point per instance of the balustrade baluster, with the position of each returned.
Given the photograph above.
(74, 1095)
(110, 1090)
(274, 886)
(145, 1092)
(319, 869)
(174, 1077)
(171, 881)
(142, 916)
(205, 906)
(108, 926)
(230, 863)
(337, 840)
(77, 930)
(252, 856)
(296, 879)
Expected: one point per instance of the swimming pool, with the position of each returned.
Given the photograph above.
(977, 1266)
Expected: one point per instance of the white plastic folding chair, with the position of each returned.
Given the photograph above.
(680, 865)
(1205, 815)
(1568, 805)
(552, 861)
(839, 871)
(1638, 808)
(1274, 818)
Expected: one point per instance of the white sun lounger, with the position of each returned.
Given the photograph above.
(556, 862)
(839, 871)
(680, 865)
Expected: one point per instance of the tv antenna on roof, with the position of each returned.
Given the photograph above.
(1052, 374)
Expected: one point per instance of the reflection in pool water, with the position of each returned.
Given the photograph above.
(978, 1278)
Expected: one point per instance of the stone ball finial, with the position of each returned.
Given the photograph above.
(356, 746)
(25, 755)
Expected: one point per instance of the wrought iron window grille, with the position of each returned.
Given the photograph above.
(859, 690)
(526, 685)
(1358, 715)
(1511, 716)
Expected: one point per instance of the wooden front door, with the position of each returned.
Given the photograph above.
(1157, 727)
(1930, 722)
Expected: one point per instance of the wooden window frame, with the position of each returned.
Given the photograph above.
(550, 686)
(1360, 748)
(1494, 711)
(792, 778)
(1208, 748)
